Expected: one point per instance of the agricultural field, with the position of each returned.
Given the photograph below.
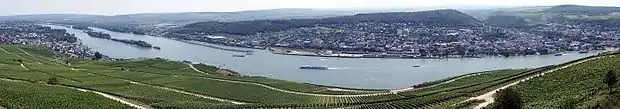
(24, 95)
(161, 83)
(572, 87)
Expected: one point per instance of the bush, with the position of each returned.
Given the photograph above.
(52, 80)
(507, 99)
(611, 79)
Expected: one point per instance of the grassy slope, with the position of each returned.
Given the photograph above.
(93, 75)
(113, 77)
(446, 95)
(22, 95)
(177, 68)
(40, 69)
(18, 95)
(568, 86)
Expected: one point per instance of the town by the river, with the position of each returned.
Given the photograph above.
(344, 72)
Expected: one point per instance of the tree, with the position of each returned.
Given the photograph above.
(52, 80)
(98, 56)
(611, 79)
(507, 99)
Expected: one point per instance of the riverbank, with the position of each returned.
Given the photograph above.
(297, 52)
(329, 53)
(81, 27)
(354, 54)
(138, 43)
(364, 73)
(219, 47)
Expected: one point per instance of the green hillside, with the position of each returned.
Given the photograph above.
(428, 18)
(161, 83)
(547, 14)
(34, 73)
(580, 86)
(24, 95)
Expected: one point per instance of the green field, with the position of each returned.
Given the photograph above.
(576, 85)
(24, 95)
(161, 83)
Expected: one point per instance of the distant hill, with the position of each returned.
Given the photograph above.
(547, 14)
(187, 17)
(435, 17)
(506, 20)
(273, 14)
(483, 14)
(582, 10)
(51, 17)
(426, 18)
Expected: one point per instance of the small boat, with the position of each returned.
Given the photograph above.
(559, 54)
(239, 56)
(416, 66)
(156, 47)
(314, 67)
(583, 52)
(249, 53)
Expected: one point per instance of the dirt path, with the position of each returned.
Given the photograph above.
(195, 69)
(6, 51)
(488, 97)
(131, 103)
(77, 69)
(23, 66)
(46, 58)
(348, 90)
(140, 105)
(10, 52)
(24, 52)
(174, 90)
(2, 107)
(188, 93)
(446, 82)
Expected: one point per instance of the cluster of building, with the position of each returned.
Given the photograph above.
(402, 40)
(55, 39)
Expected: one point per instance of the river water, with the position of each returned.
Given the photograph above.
(344, 72)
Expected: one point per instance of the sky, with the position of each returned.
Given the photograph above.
(116, 7)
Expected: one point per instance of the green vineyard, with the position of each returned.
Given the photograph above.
(570, 86)
(161, 83)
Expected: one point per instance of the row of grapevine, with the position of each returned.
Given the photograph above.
(14, 94)
(176, 75)
(262, 95)
(412, 103)
(568, 85)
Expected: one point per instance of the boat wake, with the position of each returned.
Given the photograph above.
(336, 68)
(347, 68)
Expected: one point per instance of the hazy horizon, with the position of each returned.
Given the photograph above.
(119, 7)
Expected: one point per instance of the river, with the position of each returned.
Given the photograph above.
(345, 72)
